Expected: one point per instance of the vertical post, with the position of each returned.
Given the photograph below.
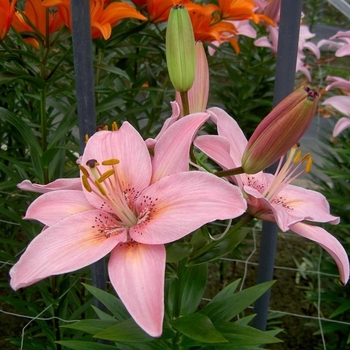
(284, 84)
(84, 81)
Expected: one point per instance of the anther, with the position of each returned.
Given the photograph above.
(100, 188)
(112, 161)
(86, 184)
(114, 126)
(105, 175)
(308, 165)
(84, 171)
(86, 137)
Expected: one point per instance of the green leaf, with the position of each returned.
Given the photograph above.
(198, 327)
(226, 308)
(85, 345)
(126, 331)
(111, 302)
(221, 249)
(90, 326)
(114, 70)
(177, 251)
(192, 282)
(22, 127)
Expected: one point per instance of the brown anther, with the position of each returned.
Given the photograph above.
(84, 171)
(101, 127)
(100, 188)
(114, 126)
(105, 175)
(92, 163)
(112, 161)
(86, 184)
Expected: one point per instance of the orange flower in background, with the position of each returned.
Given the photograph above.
(237, 10)
(103, 18)
(7, 11)
(36, 15)
(158, 10)
(208, 27)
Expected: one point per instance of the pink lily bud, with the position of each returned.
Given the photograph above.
(280, 130)
(198, 94)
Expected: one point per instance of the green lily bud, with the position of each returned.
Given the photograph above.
(280, 130)
(180, 49)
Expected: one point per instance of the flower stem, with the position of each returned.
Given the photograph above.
(229, 172)
(185, 105)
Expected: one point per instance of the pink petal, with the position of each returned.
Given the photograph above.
(137, 273)
(228, 128)
(71, 244)
(59, 184)
(341, 125)
(329, 243)
(178, 204)
(52, 207)
(291, 205)
(341, 103)
(338, 82)
(134, 169)
(216, 148)
(343, 51)
(171, 153)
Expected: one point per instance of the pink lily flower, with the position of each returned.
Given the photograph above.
(271, 42)
(129, 205)
(343, 46)
(271, 197)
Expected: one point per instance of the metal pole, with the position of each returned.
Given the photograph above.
(84, 81)
(284, 84)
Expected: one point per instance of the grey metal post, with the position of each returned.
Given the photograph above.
(284, 84)
(84, 81)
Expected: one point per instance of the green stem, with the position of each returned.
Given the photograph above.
(230, 172)
(242, 222)
(185, 105)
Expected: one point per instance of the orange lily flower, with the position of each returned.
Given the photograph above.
(237, 10)
(158, 10)
(7, 11)
(103, 18)
(36, 15)
(207, 26)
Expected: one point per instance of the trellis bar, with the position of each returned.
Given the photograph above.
(288, 38)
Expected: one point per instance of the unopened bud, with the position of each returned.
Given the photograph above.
(280, 130)
(180, 49)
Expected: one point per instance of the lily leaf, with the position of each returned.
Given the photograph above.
(198, 327)
(227, 308)
(111, 302)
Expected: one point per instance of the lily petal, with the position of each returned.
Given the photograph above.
(137, 273)
(126, 145)
(178, 204)
(171, 153)
(341, 103)
(71, 244)
(329, 243)
(341, 125)
(59, 184)
(228, 128)
(52, 207)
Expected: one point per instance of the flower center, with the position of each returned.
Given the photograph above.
(102, 180)
(287, 172)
